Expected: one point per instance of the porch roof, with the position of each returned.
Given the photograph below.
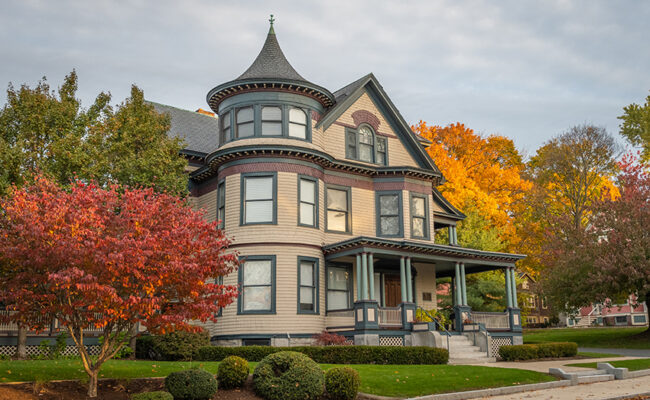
(444, 256)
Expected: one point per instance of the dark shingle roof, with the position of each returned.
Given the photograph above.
(271, 63)
(199, 131)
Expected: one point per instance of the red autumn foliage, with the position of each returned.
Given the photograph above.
(109, 258)
(329, 339)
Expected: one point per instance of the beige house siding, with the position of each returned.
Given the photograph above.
(398, 155)
(425, 281)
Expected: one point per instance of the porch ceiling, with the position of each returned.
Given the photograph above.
(388, 252)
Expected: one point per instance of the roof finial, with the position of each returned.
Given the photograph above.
(271, 20)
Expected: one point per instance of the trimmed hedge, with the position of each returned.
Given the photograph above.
(342, 383)
(159, 395)
(191, 384)
(173, 346)
(537, 351)
(405, 355)
(288, 375)
(232, 373)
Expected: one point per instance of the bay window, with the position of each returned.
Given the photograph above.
(258, 193)
(257, 283)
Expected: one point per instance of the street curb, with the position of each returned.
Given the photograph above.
(473, 394)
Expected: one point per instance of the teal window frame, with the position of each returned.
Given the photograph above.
(285, 107)
(240, 280)
(317, 191)
(412, 197)
(242, 198)
(352, 145)
(400, 212)
(219, 281)
(349, 289)
(315, 285)
(348, 222)
(221, 203)
(639, 319)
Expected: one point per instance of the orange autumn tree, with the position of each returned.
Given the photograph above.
(482, 173)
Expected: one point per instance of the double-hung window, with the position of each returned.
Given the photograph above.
(307, 201)
(307, 285)
(225, 128)
(389, 214)
(221, 204)
(258, 193)
(271, 121)
(338, 288)
(338, 209)
(297, 123)
(245, 122)
(257, 282)
(381, 157)
(364, 145)
(419, 216)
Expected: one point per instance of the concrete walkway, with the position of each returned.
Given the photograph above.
(543, 366)
(591, 391)
(623, 352)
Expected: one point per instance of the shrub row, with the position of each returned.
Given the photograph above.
(536, 351)
(334, 354)
(174, 346)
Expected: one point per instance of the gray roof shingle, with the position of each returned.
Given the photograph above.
(271, 63)
(199, 131)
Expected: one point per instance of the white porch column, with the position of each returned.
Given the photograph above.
(506, 273)
(371, 277)
(464, 283)
(409, 281)
(459, 288)
(513, 281)
(364, 276)
(402, 278)
(359, 276)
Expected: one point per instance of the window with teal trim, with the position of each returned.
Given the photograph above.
(419, 217)
(245, 122)
(338, 209)
(224, 135)
(389, 214)
(257, 275)
(297, 123)
(338, 288)
(258, 199)
(271, 121)
(307, 285)
(308, 202)
(363, 144)
(221, 204)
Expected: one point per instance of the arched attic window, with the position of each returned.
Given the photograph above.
(364, 145)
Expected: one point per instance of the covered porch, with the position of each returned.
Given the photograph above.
(392, 279)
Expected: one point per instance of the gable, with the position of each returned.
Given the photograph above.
(364, 101)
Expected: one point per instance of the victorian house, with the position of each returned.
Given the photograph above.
(331, 201)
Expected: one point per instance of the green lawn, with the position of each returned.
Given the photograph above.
(632, 365)
(592, 337)
(385, 380)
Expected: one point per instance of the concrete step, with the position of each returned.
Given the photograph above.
(472, 360)
(595, 378)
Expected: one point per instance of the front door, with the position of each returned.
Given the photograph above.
(393, 290)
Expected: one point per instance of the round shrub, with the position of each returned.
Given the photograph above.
(160, 395)
(232, 372)
(288, 375)
(191, 384)
(342, 383)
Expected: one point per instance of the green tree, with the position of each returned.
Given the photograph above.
(47, 131)
(636, 126)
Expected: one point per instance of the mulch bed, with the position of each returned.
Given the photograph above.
(108, 389)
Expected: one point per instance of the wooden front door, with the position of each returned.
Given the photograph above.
(393, 290)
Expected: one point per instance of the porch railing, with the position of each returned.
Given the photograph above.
(492, 320)
(390, 316)
(13, 327)
(10, 326)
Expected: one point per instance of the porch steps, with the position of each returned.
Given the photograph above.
(462, 351)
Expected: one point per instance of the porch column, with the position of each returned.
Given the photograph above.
(506, 273)
(364, 276)
(455, 236)
(359, 276)
(371, 276)
(458, 290)
(402, 279)
(409, 281)
(462, 277)
(514, 288)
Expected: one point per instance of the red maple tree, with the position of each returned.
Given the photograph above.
(109, 258)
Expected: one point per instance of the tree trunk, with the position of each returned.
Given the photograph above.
(92, 383)
(132, 342)
(21, 348)
(647, 311)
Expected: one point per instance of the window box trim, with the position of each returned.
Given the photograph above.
(348, 190)
(240, 281)
(242, 197)
(315, 262)
(426, 214)
(400, 212)
(350, 289)
(316, 198)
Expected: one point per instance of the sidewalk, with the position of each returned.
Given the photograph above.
(624, 352)
(543, 366)
(591, 391)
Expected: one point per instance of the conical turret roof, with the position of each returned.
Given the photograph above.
(271, 71)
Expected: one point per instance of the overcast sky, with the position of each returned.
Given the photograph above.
(527, 70)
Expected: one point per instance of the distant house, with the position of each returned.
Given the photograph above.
(627, 314)
(539, 313)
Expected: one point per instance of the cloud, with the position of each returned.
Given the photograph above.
(527, 70)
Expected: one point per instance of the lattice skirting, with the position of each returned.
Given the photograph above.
(34, 351)
(349, 340)
(391, 340)
(497, 342)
